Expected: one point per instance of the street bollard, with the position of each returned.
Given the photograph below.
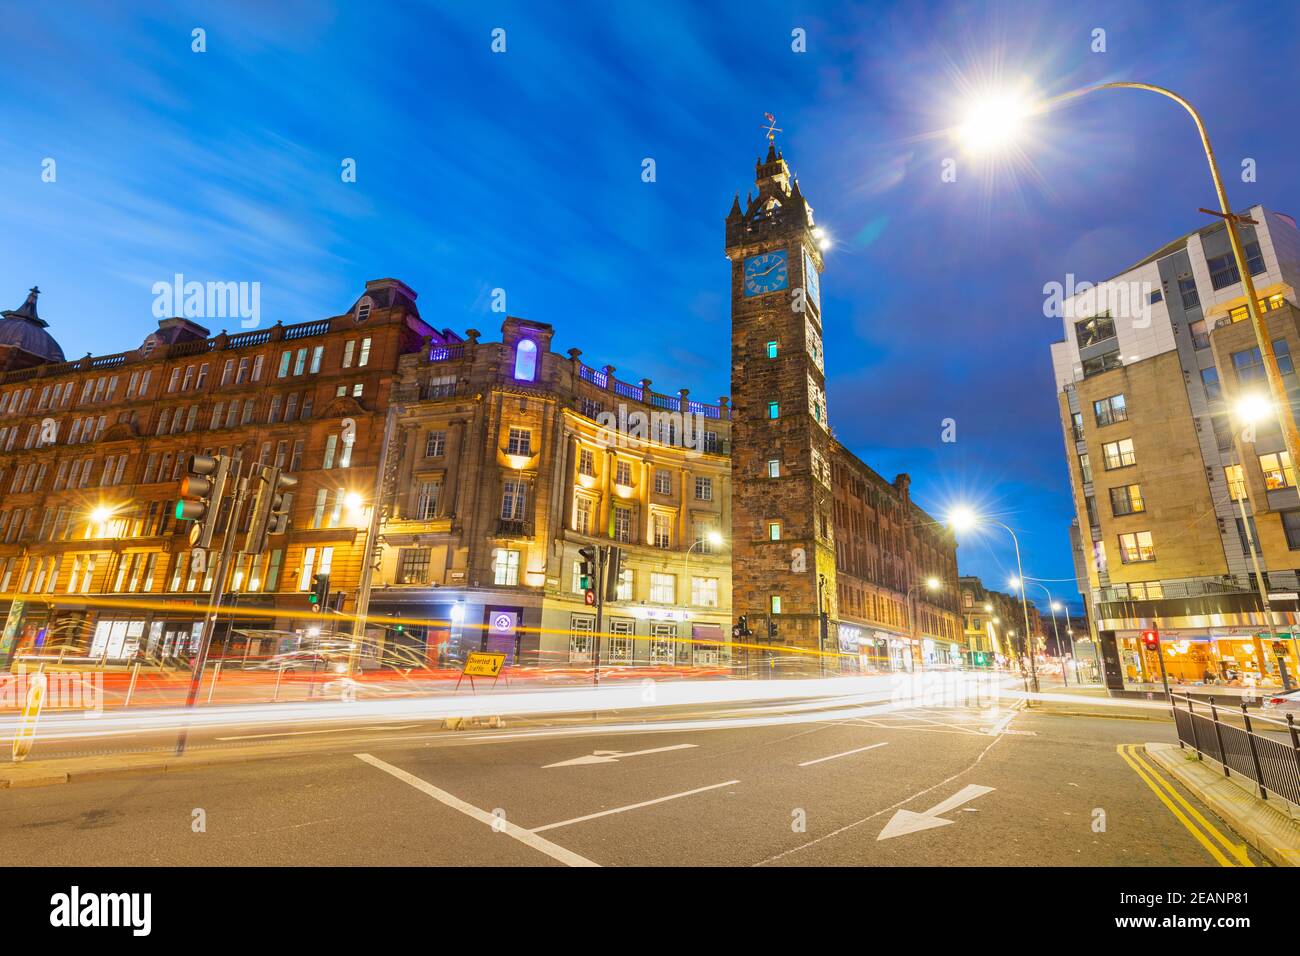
(130, 690)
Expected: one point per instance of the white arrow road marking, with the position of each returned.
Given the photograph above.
(904, 822)
(498, 824)
(614, 756)
(809, 763)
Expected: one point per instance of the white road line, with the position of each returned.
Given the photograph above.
(303, 733)
(809, 763)
(633, 806)
(498, 824)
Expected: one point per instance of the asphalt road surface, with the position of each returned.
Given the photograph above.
(769, 784)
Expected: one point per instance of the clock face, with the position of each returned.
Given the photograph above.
(812, 282)
(766, 272)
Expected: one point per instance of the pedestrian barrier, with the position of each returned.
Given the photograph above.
(1261, 749)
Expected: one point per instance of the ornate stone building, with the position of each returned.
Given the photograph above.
(92, 452)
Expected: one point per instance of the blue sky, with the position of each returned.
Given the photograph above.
(522, 171)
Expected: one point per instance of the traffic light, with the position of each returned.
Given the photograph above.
(270, 509)
(587, 568)
(771, 629)
(204, 486)
(613, 568)
(320, 591)
(741, 628)
(1151, 640)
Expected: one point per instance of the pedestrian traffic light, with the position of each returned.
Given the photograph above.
(1150, 640)
(613, 570)
(201, 493)
(741, 628)
(270, 509)
(320, 591)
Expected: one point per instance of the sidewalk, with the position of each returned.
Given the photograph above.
(1271, 831)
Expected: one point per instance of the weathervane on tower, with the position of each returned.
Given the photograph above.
(771, 129)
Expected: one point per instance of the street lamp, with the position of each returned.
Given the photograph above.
(965, 518)
(931, 583)
(997, 118)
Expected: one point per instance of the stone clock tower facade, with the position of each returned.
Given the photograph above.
(783, 546)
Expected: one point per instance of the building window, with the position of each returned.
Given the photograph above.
(771, 350)
(435, 444)
(413, 566)
(520, 442)
(774, 531)
(514, 499)
(1236, 481)
(1102, 363)
(703, 489)
(1108, 411)
(1136, 547)
(622, 524)
(1249, 364)
(663, 481)
(773, 468)
(1118, 454)
(505, 567)
(1277, 470)
(526, 360)
(1126, 500)
(1200, 334)
(581, 628)
(624, 592)
(586, 462)
(1187, 291)
(1092, 330)
(1090, 504)
(663, 588)
(1076, 425)
(582, 514)
(1291, 525)
(704, 592)
(775, 604)
(426, 504)
(1210, 379)
(773, 410)
(662, 531)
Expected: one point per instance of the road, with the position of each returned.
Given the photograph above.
(736, 784)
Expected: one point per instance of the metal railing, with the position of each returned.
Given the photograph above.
(1256, 753)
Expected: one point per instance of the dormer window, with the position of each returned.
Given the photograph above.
(363, 309)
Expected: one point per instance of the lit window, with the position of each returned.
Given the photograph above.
(776, 604)
(773, 468)
(1136, 547)
(1277, 470)
(774, 531)
(773, 410)
(526, 360)
(771, 350)
(505, 567)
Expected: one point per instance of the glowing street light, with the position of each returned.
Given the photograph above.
(1253, 408)
(966, 518)
(993, 121)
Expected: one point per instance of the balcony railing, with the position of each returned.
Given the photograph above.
(513, 528)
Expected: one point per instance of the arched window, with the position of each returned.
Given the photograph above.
(526, 360)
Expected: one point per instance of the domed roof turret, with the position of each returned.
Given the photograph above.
(22, 328)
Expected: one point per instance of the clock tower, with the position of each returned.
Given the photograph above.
(783, 548)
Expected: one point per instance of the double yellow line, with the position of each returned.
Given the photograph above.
(1202, 829)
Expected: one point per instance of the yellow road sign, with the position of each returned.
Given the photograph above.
(482, 664)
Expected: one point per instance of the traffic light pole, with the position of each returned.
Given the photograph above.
(214, 601)
(600, 615)
(372, 535)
